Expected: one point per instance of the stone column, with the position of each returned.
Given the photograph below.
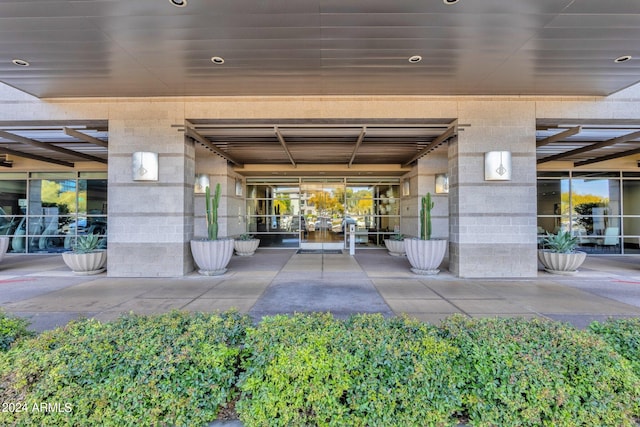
(150, 222)
(493, 223)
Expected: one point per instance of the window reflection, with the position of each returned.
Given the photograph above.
(48, 216)
(587, 205)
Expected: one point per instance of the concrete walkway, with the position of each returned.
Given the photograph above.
(42, 289)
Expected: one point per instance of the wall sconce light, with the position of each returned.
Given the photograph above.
(239, 187)
(442, 183)
(202, 182)
(497, 166)
(144, 166)
(406, 187)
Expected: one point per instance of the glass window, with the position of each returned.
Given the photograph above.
(588, 205)
(46, 212)
(13, 205)
(596, 205)
(631, 215)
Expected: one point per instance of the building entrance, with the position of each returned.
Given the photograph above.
(323, 208)
(315, 213)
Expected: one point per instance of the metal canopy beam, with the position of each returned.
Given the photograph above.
(50, 147)
(193, 134)
(559, 136)
(439, 140)
(602, 144)
(608, 157)
(35, 157)
(86, 138)
(363, 132)
(284, 145)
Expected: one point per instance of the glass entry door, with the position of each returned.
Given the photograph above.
(322, 208)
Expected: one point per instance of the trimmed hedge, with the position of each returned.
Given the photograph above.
(624, 336)
(535, 373)
(182, 368)
(12, 329)
(171, 369)
(316, 370)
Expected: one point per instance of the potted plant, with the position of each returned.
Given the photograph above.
(559, 255)
(246, 245)
(395, 245)
(87, 257)
(425, 254)
(212, 255)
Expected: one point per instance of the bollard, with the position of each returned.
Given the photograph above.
(352, 239)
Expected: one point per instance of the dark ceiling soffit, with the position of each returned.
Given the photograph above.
(433, 145)
(86, 138)
(602, 144)
(35, 157)
(363, 132)
(559, 136)
(608, 157)
(50, 147)
(193, 134)
(284, 145)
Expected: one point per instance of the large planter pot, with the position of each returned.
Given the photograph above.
(86, 264)
(395, 247)
(559, 263)
(4, 246)
(246, 247)
(212, 256)
(425, 256)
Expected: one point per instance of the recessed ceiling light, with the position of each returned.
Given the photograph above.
(624, 58)
(415, 59)
(20, 62)
(217, 60)
(448, 2)
(178, 3)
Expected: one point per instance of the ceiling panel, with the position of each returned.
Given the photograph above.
(332, 47)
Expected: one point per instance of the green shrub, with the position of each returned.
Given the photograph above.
(534, 373)
(12, 329)
(624, 336)
(316, 370)
(171, 369)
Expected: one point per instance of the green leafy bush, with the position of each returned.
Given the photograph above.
(316, 370)
(624, 336)
(12, 329)
(171, 369)
(533, 373)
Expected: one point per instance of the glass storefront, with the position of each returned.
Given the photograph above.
(290, 212)
(44, 212)
(602, 209)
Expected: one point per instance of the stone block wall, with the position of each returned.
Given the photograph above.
(493, 223)
(150, 222)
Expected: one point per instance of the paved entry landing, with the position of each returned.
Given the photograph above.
(321, 282)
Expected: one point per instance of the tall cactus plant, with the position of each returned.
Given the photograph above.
(425, 217)
(212, 212)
